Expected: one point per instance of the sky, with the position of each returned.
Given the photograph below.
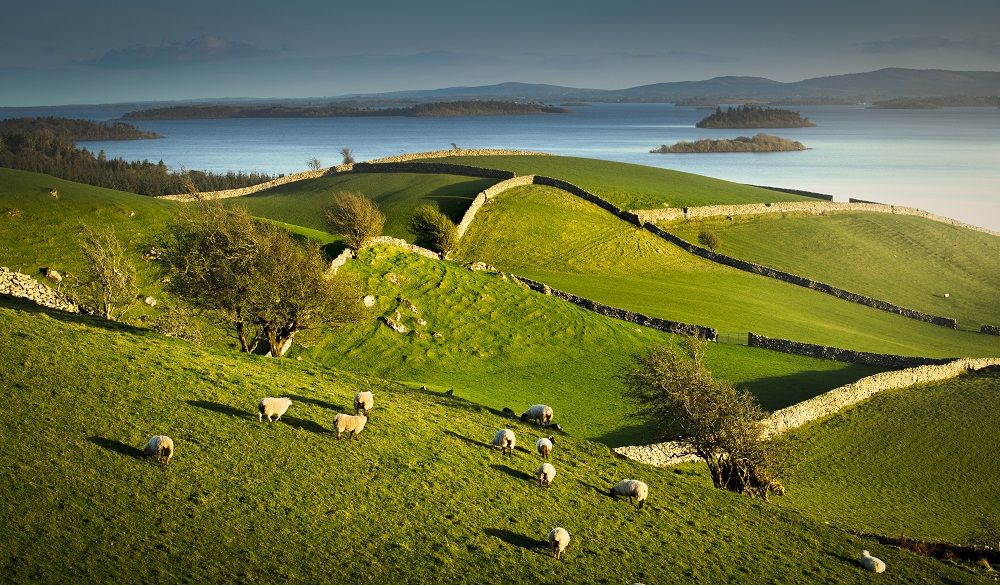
(100, 51)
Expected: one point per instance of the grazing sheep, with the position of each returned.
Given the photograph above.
(871, 563)
(272, 407)
(504, 440)
(544, 446)
(631, 488)
(558, 541)
(546, 473)
(363, 402)
(539, 413)
(161, 447)
(347, 423)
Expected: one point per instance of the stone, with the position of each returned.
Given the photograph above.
(395, 324)
(53, 275)
(369, 301)
(393, 278)
(149, 301)
(481, 266)
(421, 322)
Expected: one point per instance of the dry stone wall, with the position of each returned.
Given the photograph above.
(826, 404)
(483, 197)
(433, 168)
(229, 193)
(22, 286)
(841, 355)
(457, 152)
(990, 329)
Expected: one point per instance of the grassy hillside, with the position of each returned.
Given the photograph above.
(397, 195)
(570, 244)
(631, 186)
(909, 261)
(418, 498)
(502, 345)
(919, 461)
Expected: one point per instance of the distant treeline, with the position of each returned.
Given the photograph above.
(933, 103)
(759, 143)
(73, 129)
(752, 116)
(436, 109)
(45, 152)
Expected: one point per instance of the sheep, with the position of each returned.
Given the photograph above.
(631, 488)
(504, 440)
(161, 447)
(558, 541)
(871, 563)
(272, 406)
(347, 423)
(539, 413)
(363, 402)
(544, 446)
(546, 473)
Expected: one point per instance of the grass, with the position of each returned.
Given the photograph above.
(419, 497)
(919, 461)
(631, 186)
(913, 261)
(504, 346)
(552, 236)
(303, 203)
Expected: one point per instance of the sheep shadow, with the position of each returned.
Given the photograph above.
(302, 424)
(472, 442)
(602, 491)
(316, 402)
(218, 407)
(117, 447)
(513, 472)
(519, 540)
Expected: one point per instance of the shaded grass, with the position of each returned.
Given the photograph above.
(572, 245)
(919, 461)
(251, 501)
(910, 261)
(631, 186)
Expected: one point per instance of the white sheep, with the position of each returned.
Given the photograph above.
(544, 446)
(871, 563)
(269, 407)
(558, 541)
(161, 447)
(539, 413)
(631, 488)
(546, 473)
(363, 402)
(347, 423)
(505, 440)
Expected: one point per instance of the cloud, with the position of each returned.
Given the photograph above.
(918, 44)
(203, 49)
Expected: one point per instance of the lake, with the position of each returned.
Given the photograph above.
(945, 161)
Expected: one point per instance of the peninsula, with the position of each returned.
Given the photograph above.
(435, 109)
(74, 129)
(752, 116)
(759, 143)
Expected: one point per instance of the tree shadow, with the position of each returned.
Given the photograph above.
(513, 472)
(27, 306)
(303, 424)
(117, 447)
(472, 442)
(518, 540)
(219, 408)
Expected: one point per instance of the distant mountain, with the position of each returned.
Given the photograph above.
(510, 90)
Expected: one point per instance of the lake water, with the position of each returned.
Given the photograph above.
(945, 161)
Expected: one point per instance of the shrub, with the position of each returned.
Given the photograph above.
(347, 155)
(111, 275)
(434, 229)
(708, 239)
(356, 217)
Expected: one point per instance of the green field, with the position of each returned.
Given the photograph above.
(630, 186)
(417, 498)
(502, 345)
(913, 261)
(569, 244)
(397, 195)
(919, 461)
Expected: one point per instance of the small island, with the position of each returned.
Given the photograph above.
(435, 109)
(752, 116)
(759, 143)
(75, 130)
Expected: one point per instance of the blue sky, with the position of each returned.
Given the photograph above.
(59, 52)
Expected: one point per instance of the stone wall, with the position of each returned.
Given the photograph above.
(483, 197)
(806, 207)
(588, 196)
(990, 329)
(811, 194)
(826, 404)
(881, 360)
(339, 261)
(22, 286)
(457, 152)
(212, 195)
(434, 168)
(621, 314)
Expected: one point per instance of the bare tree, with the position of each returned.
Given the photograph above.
(111, 276)
(314, 164)
(356, 217)
(347, 155)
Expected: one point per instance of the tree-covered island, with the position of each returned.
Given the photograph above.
(759, 143)
(752, 116)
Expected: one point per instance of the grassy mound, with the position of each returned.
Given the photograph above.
(418, 498)
(397, 195)
(501, 345)
(631, 186)
(910, 261)
(919, 461)
(572, 245)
